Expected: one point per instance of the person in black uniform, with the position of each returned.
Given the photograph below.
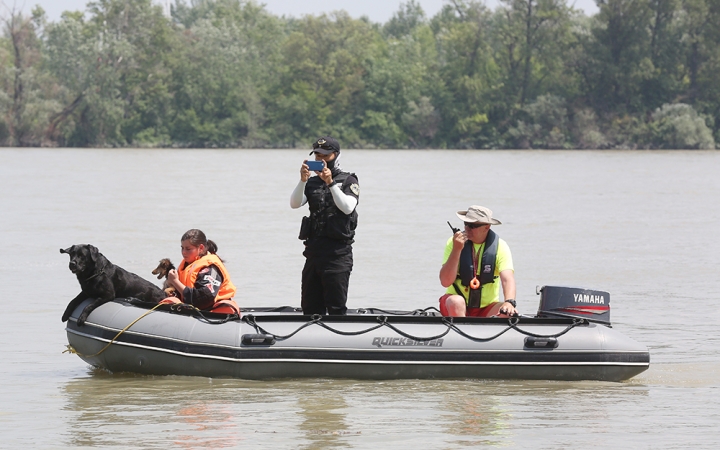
(328, 233)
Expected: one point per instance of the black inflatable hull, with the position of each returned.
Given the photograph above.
(269, 344)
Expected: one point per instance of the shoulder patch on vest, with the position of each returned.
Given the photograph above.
(355, 188)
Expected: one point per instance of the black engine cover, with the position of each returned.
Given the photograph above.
(560, 301)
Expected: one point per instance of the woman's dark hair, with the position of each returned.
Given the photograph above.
(197, 237)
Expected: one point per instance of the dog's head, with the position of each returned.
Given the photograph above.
(83, 258)
(163, 268)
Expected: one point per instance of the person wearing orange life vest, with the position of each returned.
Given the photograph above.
(474, 259)
(201, 278)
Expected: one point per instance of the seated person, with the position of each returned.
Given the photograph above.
(201, 278)
(474, 260)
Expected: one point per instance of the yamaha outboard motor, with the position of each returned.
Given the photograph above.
(559, 301)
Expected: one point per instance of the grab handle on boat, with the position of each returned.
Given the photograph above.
(540, 342)
(258, 339)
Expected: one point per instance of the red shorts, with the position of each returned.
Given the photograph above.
(493, 309)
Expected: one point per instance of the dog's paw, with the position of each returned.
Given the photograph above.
(81, 320)
(65, 317)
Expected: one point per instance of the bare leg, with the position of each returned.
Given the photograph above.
(455, 305)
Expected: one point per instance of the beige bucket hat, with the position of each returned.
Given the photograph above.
(478, 214)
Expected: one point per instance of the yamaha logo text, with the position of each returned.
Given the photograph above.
(589, 298)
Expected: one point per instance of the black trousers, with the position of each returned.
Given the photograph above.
(325, 284)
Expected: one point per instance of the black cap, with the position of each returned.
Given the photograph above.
(325, 145)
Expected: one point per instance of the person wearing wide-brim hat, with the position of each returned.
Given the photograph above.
(476, 264)
(329, 231)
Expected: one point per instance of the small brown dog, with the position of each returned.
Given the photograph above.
(161, 271)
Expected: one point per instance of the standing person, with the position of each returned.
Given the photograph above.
(473, 261)
(328, 232)
(201, 278)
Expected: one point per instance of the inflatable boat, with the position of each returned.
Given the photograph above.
(570, 338)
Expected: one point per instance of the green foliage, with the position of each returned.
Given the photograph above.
(679, 126)
(545, 124)
(112, 72)
(585, 130)
(469, 76)
(395, 83)
(227, 73)
(405, 21)
(26, 100)
(422, 120)
(532, 39)
(325, 61)
(225, 62)
(627, 132)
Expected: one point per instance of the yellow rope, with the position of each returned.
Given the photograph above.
(71, 349)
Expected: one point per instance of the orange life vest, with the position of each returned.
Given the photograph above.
(188, 273)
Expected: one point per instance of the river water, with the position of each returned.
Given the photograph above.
(641, 225)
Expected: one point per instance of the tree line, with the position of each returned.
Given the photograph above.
(227, 73)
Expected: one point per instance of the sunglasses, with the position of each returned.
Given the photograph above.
(472, 226)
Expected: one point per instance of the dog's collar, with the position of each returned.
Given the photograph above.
(100, 272)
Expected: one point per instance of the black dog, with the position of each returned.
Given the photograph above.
(104, 281)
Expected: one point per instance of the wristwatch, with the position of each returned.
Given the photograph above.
(512, 302)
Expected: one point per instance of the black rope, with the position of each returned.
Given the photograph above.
(185, 308)
(415, 338)
(447, 321)
(250, 320)
(383, 321)
(575, 323)
(349, 333)
(451, 325)
(513, 325)
(227, 318)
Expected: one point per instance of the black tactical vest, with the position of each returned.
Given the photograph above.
(326, 219)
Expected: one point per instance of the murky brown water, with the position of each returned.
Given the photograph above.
(641, 225)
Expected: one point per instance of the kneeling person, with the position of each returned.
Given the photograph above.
(474, 259)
